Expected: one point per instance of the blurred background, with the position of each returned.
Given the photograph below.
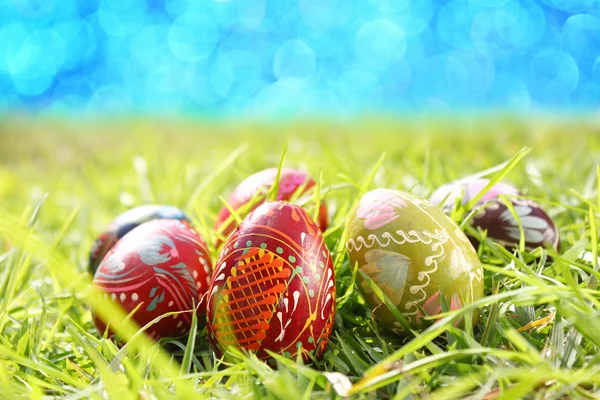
(296, 57)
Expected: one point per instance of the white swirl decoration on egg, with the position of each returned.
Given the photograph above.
(412, 252)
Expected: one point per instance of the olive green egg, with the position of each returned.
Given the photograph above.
(415, 254)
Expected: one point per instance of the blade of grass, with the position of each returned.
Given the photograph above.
(214, 173)
(274, 190)
(498, 176)
(186, 363)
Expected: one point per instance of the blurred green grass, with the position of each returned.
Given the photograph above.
(62, 181)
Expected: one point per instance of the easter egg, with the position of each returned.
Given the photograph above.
(466, 190)
(161, 266)
(273, 286)
(255, 188)
(497, 219)
(126, 222)
(415, 254)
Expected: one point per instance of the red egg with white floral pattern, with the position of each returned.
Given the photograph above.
(159, 267)
(497, 219)
(124, 223)
(253, 191)
(273, 286)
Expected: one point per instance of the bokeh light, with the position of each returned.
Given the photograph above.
(298, 56)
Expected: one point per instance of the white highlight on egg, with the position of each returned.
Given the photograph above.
(326, 301)
(296, 297)
(283, 328)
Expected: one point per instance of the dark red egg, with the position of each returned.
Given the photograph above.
(274, 286)
(538, 228)
(163, 265)
(497, 219)
(256, 187)
(124, 223)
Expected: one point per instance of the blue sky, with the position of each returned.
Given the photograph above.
(288, 57)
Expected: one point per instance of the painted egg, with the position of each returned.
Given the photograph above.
(448, 193)
(273, 286)
(161, 266)
(497, 219)
(255, 188)
(415, 254)
(126, 222)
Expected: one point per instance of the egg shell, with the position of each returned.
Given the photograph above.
(124, 223)
(415, 254)
(496, 218)
(273, 286)
(259, 184)
(467, 189)
(163, 264)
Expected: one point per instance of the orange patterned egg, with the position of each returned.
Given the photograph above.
(274, 286)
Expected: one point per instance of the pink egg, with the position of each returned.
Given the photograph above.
(257, 185)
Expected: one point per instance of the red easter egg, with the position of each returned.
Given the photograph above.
(274, 287)
(256, 187)
(162, 264)
(124, 223)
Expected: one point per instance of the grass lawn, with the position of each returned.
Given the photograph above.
(62, 181)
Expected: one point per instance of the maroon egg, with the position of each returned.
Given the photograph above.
(124, 223)
(497, 219)
(274, 287)
(163, 265)
(501, 225)
(256, 186)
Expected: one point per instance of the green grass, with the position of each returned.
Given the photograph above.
(61, 182)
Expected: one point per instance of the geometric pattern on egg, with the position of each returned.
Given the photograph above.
(273, 286)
